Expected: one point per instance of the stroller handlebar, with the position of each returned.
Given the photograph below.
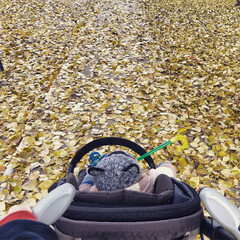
(222, 210)
(54, 204)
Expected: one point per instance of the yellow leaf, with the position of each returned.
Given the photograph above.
(2, 206)
(222, 154)
(34, 175)
(30, 201)
(39, 196)
(182, 130)
(234, 156)
(211, 138)
(202, 170)
(5, 192)
(211, 153)
(194, 182)
(4, 178)
(201, 150)
(45, 185)
(206, 180)
(17, 189)
(216, 148)
(235, 170)
(30, 185)
(57, 145)
(46, 159)
(20, 196)
(226, 173)
(182, 162)
(138, 109)
(57, 153)
(226, 159)
(31, 140)
(194, 144)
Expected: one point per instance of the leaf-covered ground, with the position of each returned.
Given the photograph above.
(143, 70)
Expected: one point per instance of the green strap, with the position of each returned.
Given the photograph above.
(154, 150)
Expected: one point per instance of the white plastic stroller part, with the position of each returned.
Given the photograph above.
(54, 204)
(222, 210)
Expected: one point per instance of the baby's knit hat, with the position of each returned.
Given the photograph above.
(117, 170)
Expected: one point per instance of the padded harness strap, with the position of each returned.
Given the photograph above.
(108, 141)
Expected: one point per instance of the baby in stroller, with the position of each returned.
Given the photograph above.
(119, 170)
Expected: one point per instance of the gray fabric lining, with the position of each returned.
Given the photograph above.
(164, 194)
(71, 179)
(164, 229)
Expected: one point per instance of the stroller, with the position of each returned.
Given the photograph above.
(173, 211)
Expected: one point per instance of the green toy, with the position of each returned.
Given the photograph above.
(179, 137)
